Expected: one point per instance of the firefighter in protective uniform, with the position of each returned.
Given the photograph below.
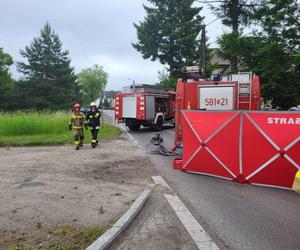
(77, 122)
(93, 121)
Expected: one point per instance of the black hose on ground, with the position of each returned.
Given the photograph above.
(155, 147)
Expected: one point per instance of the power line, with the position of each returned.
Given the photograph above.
(214, 42)
(216, 1)
(224, 1)
(212, 21)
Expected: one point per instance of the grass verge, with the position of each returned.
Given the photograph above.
(62, 237)
(44, 128)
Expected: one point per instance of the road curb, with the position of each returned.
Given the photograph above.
(105, 240)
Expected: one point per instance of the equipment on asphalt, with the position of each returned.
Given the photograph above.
(157, 139)
(155, 146)
(145, 105)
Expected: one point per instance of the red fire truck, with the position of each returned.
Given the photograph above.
(147, 105)
(234, 92)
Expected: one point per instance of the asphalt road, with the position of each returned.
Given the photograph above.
(236, 216)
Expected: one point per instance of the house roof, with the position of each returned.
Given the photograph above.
(217, 60)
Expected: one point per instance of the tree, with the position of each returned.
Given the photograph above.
(234, 14)
(92, 81)
(272, 52)
(280, 22)
(165, 80)
(50, 78)
(168, 33)
(5, 61)
(6, 81)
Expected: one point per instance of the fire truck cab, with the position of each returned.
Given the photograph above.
(233, 92)
(146, 105)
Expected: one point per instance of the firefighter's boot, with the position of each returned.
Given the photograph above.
(77, 141)
(94, 143)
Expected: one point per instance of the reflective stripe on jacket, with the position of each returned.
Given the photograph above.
(77, 120)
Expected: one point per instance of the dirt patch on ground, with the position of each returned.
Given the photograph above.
(55, 196)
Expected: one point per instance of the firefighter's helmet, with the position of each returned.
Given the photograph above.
(76, 105)
(93, 104)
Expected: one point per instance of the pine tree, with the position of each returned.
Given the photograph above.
(235, 13)
(168, 33)
(49, 76)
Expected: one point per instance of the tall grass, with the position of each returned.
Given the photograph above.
(43, 128)
(36, 123)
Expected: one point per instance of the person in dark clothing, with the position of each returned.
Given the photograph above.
(93, 122)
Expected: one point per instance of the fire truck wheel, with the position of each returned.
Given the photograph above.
(159, 123)
(134, 127)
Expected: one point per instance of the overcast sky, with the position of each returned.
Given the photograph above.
(94, 32)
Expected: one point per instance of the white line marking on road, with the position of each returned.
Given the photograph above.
(129, 135)
(159, 180)
(198, 234)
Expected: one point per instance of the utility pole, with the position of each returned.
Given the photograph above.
(102, 97)
(133, 85)
(203, 46)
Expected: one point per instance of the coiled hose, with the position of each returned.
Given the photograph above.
(155, 146)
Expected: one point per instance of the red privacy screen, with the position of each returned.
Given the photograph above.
(253, 147)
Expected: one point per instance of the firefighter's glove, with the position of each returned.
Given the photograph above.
(70, 126)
